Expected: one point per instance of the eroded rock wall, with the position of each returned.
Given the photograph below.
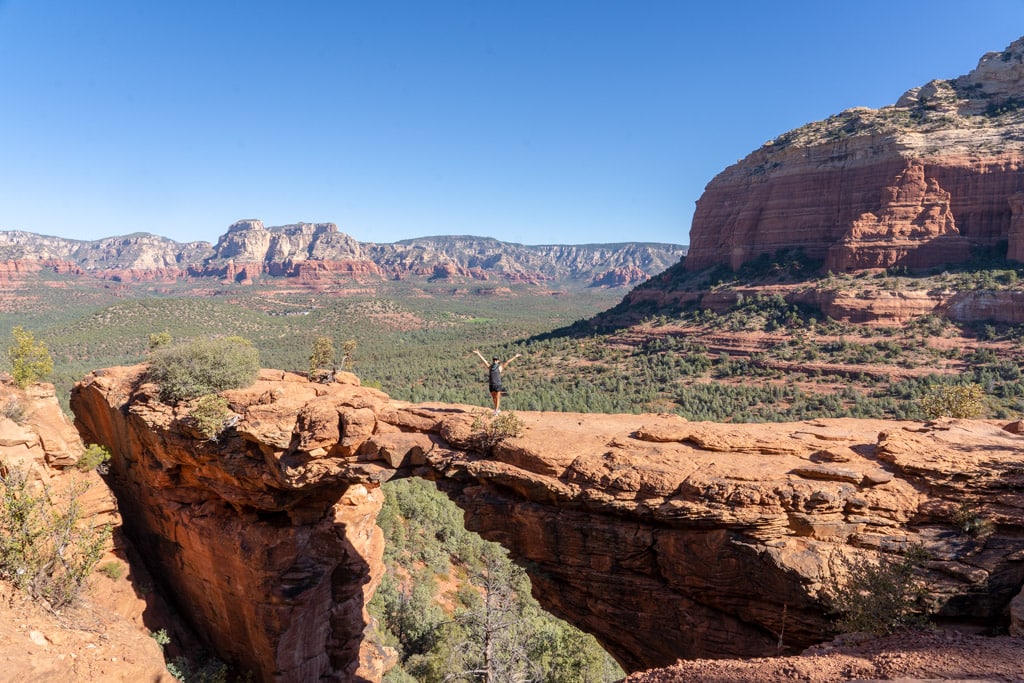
(272, 565)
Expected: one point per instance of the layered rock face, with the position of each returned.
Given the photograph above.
(250, 241)
(915, 184)
(663, 538)
(481, 257)
(881, 306)
(139, 256)
(619, 277)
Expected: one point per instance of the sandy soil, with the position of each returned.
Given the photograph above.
(917, 656)
(90, 642)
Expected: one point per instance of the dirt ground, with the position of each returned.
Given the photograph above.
(90, 642)
(912, 656)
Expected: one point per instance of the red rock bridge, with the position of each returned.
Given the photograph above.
(663, 538)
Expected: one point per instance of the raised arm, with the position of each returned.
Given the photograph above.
(482, 359)
(511, 359)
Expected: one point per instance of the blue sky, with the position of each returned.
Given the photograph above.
(536, 121)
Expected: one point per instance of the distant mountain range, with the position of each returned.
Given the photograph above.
(249, 251)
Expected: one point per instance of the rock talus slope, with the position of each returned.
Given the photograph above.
(102, 635)
(663, 538)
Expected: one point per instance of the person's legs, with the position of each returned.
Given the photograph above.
(496, 397)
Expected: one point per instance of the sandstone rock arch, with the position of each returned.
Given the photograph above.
(664, 538)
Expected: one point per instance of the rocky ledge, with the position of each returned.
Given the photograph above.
(665, 539)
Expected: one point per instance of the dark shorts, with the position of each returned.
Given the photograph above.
(495, 387)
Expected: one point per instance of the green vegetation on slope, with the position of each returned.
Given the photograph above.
(415, 343)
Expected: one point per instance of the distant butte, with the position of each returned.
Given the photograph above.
(916, 184)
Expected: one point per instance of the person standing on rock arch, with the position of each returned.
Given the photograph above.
(494, 370)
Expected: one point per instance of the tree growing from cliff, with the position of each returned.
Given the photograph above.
(321, 359)
(198, 367)
(882, 596)
(30, 359)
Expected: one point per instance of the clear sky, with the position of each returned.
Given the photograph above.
(532, 121)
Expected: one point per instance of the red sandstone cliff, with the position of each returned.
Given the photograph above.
(915, 184)
(664, 538)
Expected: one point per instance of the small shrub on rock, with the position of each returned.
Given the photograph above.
(198, 367)
(94, 458)
(968, 520)
(113, 570)
(487, 435)
(14, 410)
(210, 414)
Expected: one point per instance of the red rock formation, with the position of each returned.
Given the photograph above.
(142, 274)
(879, 306)
(318, 256)
(867, 305)
(915, 184)
(272, 553)
(242, 273)
(15, 270)
(984, 306)
(619, 277)
(528, 278)
(664, 538)
(448, 270)
(913, 227)
(307, 271)
(1015, 237)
